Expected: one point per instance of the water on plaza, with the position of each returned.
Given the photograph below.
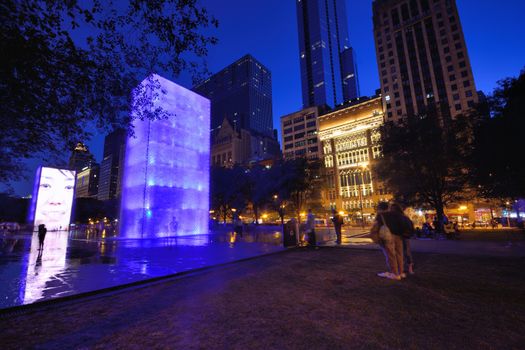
(83, 261)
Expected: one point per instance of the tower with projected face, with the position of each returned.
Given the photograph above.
(165, 185)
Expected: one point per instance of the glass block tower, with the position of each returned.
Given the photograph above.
(165, 185)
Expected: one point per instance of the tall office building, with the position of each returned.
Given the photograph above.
(80, 158)
(110, 168)
(299, 132)
(242, 93)
(422, 57)
(328, 67)
(87, 182)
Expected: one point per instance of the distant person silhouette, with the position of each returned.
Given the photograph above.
(42, 230)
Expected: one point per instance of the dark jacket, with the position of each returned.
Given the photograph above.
(395, 222)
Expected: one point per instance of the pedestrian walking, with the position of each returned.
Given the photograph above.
(310, 228)
(408, 232)
(338, 224)
(42, 230)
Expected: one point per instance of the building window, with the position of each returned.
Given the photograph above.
(458, 46)
(298, 120)
(448, 59)
(468, 93)
(460, 55)
(287, 131)
(288, 138)
(452, 77)
(470, 103)
(446, 49)
(462, 64)
(458, 107)
(455, 97)
(454, 87)
(466, 83)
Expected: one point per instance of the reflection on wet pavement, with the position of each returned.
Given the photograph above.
(77, 262)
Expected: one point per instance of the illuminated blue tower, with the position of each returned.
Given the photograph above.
(165, 185)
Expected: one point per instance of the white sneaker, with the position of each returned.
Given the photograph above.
(384, 274)
(403, 275)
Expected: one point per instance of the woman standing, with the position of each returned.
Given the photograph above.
(408, 231)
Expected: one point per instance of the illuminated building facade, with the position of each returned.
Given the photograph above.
(422, 57)
(328, 68)
(87, 182)
(348, 139)
(165, 184)
(299, 132)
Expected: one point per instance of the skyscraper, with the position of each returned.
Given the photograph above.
(110, 168)
(80, 158)
(241, 92)
(422, 57)
(328, 67)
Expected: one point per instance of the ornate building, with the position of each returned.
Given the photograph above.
(348, 139)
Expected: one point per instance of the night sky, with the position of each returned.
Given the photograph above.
(267, 29)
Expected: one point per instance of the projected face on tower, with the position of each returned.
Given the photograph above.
(56, 188)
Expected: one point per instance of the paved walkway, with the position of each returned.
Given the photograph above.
(301, 299)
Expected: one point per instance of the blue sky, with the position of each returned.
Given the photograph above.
(267, 29)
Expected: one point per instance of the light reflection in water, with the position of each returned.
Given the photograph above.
(44, 265)
(81, 261)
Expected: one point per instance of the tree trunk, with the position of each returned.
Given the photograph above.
(440, 212)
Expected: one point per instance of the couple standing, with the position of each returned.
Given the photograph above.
(392, 230)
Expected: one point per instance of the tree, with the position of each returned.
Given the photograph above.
(257, 188)
(497, 167)
(294, 183)
(424, 159)
(226, 191)
(69, 66)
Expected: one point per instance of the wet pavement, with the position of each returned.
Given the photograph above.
(77, 262)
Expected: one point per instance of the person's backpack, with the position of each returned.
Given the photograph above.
(384, 232)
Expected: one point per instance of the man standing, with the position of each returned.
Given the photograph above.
(338, 223)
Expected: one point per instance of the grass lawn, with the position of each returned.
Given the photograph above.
(324, 299)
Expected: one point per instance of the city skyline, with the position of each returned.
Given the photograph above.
(241, 31)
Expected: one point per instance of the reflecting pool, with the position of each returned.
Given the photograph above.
(77, 262)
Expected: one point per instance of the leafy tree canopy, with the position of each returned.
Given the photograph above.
(497, 166)
(66, 65)
(423, 160)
